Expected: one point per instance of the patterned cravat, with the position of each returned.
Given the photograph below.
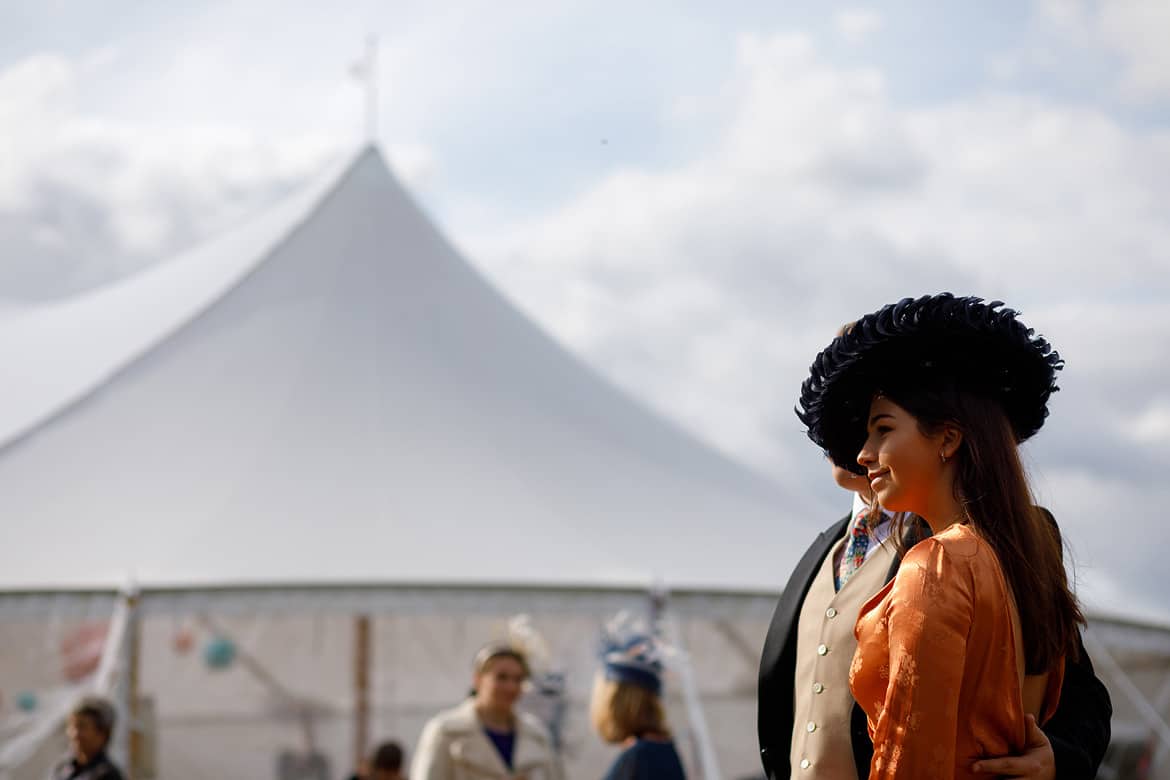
(855, 549)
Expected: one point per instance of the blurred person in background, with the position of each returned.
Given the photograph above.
(89, 728)
(485, 737)
(385, 763)
(627, 708)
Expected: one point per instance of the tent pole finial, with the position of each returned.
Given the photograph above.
(365, 70)
(372, 90)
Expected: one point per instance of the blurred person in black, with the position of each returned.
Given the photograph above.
(90, 726)
(385, 763)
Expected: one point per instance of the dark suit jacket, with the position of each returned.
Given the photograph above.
(100, 768)
(1079, 731)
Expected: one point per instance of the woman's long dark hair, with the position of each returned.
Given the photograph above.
(991, 486)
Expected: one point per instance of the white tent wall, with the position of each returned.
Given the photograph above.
(1133, 659)
(37, 766)
(227, 722)
(230, 723)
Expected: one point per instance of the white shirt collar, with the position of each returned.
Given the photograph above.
(859, 504)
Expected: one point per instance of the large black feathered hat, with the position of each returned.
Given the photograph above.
(931, 342)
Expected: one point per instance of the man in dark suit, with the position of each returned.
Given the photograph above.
(805, 665)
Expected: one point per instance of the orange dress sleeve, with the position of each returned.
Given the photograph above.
(929, 614)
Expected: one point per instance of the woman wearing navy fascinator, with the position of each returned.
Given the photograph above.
(627, 703)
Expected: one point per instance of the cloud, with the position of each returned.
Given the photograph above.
(1133, 31)
(735, 268)
(1111, 577)
(857, 25)
(704, 280)
(1151, 425)
(1137, 30)
(85, 198)
(710, 287)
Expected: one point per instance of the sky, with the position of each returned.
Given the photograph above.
(690, 196)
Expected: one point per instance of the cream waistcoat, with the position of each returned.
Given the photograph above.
(822, 704)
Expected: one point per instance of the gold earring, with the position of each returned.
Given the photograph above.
(942, 455)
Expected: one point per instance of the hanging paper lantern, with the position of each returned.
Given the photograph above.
(183, 641)
(26, 701)
(81, 650)
(219, 652)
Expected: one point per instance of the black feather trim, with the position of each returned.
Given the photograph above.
(983, 347)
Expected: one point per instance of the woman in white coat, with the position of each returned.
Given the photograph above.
(485, 737)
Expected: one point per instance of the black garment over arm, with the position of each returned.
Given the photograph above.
(1079, 730)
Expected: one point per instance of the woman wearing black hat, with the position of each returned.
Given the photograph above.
(929, 398)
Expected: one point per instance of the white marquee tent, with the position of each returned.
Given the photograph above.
(327, 413)
(332, 394)
(329, 397)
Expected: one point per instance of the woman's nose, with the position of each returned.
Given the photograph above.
(865, 457)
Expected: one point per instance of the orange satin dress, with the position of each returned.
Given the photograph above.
(939, 663)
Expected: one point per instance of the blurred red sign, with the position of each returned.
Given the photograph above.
(81, 650)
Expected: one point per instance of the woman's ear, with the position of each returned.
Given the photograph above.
(952, 437)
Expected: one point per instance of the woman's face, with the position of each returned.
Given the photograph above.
(500, 684)
(904, 466)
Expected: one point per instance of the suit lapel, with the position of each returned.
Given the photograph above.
(784, 618)
(528, 755)
(471, 747)
(475, 751)
(778, 661)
